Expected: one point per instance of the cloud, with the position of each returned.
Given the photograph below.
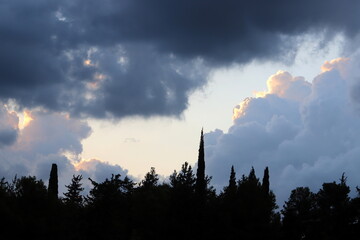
(307, 133)
(98, 170)
(131, 140)
(113, 59)
(49, 138)
(53, 133)
(227, 31)
(285, 86)
(8, 127)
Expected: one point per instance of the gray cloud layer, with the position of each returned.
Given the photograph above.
(136, 57)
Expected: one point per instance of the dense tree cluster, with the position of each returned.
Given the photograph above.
(186, 207)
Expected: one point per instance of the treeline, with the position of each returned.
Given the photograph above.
(186, 207)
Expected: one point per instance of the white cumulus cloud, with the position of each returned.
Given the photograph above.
(307, 133)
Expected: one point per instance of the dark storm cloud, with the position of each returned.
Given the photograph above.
(8, 127)
(136, 57)
(219, 31)
(7, 137)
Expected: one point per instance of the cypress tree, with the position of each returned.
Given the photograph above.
(252, 175)
(232, 180)
(230, 190)
(53, 182)
(200, 185)
(265, 181)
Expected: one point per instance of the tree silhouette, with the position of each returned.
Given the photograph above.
(32, 207)
(200, 186)
(334, 209)
(53, 182)
(30, 189)
(266, 181)
(249, 194)
(204, 194)
(74, 209)
(182, 200)
(355, 207)
(232, 180)
(150, 208)
(230, 190)
(299, 214)
(185, 208)
(228, 208)
(256, 210)
(151, 179)
(184, 180)
(5, 189)
(8, 215)
(109, 208)
(73, 195)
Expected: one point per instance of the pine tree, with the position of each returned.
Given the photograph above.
(333, 202)
(299, 214)
(151, 179)
(109, 208)
(184, 180)
(201, 181)
(73, 195)
(53, 182)
(265, 181)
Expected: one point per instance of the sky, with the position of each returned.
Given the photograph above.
(103, 87)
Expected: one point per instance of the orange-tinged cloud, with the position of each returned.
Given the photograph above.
(84, 165)
(98, 79)
(87, 164)
(275, 84)
(335, 63)
(88, 63)
(283, 85)
(239, 110)
(27, 118)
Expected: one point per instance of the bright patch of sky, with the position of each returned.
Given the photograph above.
(137, 144)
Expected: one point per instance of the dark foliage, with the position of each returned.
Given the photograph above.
(53, 182)
(73, 197)
(299, 214)
(200, 186)
(117, 208)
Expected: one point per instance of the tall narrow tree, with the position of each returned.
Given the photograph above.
(232, 180)
(230, 190)
(200, 185)
(53, 182)
(265, 182)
